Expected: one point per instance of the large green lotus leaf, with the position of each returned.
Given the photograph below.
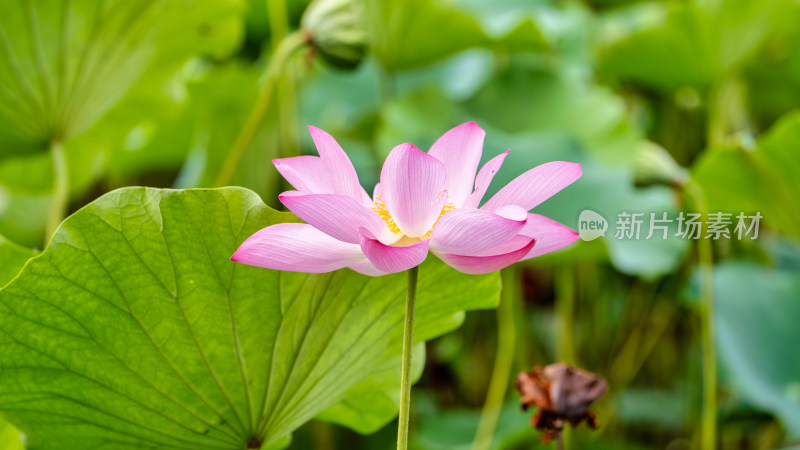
(66, 64)
(686, 43)
(764, 180)
(12, 258)
(133, 329)
(413, 33)
(757, 334)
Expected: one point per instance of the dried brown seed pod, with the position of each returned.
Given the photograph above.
(562, 393)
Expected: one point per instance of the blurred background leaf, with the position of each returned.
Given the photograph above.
(755, 308)
(761, 180)
(14, 257)
(401, 37)
(68, 64)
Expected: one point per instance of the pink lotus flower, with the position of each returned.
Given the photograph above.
(424, 201)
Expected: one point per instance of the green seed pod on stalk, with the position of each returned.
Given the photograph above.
(337, 31)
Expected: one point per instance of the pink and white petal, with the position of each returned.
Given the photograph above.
(513, 212)
(340, 216)
(365, 267)
(393, 259)
(460, 150)
(472, 232)
(484, 179)
(306, 173)
(513, 244)
(536, 185)
(296, 247)
(475, 265)
(549, 234)
(342, 174)
(412, 184)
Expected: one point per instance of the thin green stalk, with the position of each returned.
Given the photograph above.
(408, 343)
(286, 95)
(728, 119)
(288, 46)
(635, 352)
(278, 21)
(501, 372)
(565, 308)
(58, 207)
(708, 422)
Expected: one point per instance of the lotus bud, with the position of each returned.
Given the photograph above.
(337, 30)
(654, 165)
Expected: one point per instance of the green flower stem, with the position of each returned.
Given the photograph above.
(708, 423)
(728, 119)
(286, 85)
(408, 342)
(565, 309)
(60, 198)
(501, 372)
(278, 20)
(283, 52)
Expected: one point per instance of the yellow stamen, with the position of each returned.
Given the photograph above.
(446, 209)
(380, 208)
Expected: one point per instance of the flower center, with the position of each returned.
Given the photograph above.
(404, 241)
(380, 208)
